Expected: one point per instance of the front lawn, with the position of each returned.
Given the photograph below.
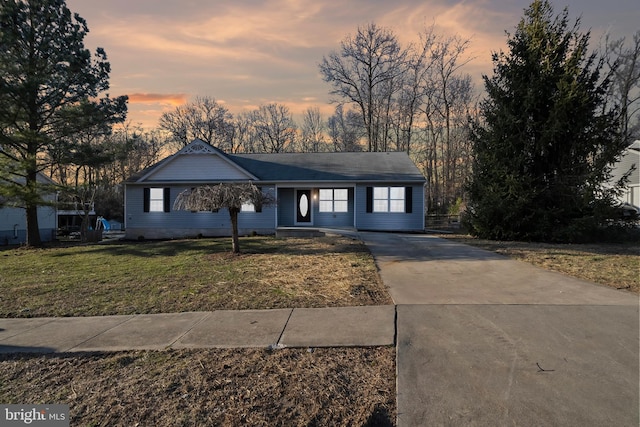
(230, 387)
(339, 386)
(188, 275)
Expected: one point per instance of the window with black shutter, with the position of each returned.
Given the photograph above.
(408, 199)
(156, 199)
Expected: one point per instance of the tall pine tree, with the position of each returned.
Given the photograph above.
(49, 92)
(545, 145)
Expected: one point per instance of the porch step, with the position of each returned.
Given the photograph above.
(299, 232)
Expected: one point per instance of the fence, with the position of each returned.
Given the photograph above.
(442, 222)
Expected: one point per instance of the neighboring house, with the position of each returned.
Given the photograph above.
(70, 215)
(13, 220)
(365, 191)
(630, 159)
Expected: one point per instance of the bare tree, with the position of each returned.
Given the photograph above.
(447, 97)
(345, 130)
(313, 132)
(94, 166)
(624, 63)
(131, 149)
(204, 118)
(365, 73)
(274, 128)
(229, 196)
(244, 134)
(416, 86)
(413, 99)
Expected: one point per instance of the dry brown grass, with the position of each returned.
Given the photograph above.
(318, 272)
(188, 275)
(338, 386)
(613, 265)
(323, 387)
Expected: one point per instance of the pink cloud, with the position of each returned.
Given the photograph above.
(173, 99)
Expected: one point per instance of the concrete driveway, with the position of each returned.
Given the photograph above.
(483, 340)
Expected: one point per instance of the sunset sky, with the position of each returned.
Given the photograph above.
(254, 52)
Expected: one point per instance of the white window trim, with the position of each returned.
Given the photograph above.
(386, 203)
(156, 203)
(332, 200)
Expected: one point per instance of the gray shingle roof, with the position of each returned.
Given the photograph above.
(330, 166)
(288, 167)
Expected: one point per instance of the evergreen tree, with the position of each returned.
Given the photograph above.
(49, 89)
(546, 142)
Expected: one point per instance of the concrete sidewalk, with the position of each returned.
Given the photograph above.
(299, 327)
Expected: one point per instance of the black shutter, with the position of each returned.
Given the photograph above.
(258, 204)
(369, 199)
(147, 199)
(166, 198)
(408, 199)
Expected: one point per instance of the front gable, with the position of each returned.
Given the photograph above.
(196, 162)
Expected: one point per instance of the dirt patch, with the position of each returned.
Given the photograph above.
(230, 387)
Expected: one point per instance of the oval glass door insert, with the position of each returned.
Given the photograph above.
(304, 205)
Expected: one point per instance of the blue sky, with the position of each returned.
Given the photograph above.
(248, 53)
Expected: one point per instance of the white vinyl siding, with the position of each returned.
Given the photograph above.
(201, 167)
(181, 223)
(13, 225)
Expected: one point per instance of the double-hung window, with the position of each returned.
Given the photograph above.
(396, 199)
(157, 199)
(389, 199)
(333, 200)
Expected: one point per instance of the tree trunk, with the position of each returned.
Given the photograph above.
(235, 241)
(33, 229)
